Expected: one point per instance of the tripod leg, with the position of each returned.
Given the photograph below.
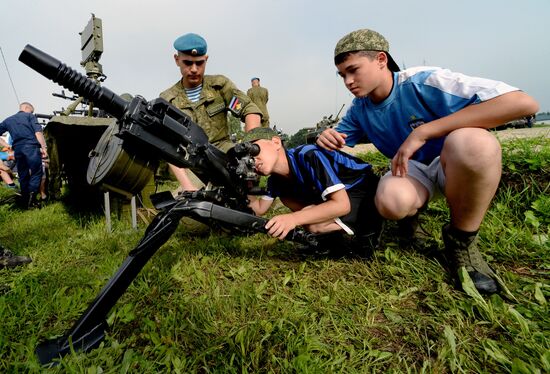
(88, 332)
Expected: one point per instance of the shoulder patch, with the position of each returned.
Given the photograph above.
(235, 106)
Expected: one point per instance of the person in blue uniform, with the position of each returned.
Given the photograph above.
(431, 123)
(29, 148)
(327, 192)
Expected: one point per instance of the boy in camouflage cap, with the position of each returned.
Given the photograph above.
(431, 123)
(328, 192)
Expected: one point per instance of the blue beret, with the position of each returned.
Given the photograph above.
(253, 78)
(191, 44)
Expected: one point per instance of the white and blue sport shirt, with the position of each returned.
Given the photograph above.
(419, 95)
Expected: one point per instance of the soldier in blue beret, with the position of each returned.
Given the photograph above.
(206, 99)
(191, 44)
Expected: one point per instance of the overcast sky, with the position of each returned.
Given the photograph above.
(288, 44)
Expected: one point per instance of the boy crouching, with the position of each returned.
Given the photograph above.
(327, 192)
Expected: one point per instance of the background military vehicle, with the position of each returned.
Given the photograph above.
(81, 136)
(322, 125)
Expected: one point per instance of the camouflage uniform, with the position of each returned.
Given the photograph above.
(260, 96)
(210, 112)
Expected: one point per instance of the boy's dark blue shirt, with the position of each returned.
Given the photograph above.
(316, 172)
(22, 127)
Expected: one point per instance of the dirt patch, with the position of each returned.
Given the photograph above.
(533, 132)
(502, 135)
(359, 148)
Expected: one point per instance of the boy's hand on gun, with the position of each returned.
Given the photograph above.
(279, 226)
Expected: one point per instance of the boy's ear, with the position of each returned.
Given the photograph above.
(382, 59)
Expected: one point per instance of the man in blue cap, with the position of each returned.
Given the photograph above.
(207, 98)
(29, 148)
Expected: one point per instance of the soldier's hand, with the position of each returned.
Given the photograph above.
(331, 140)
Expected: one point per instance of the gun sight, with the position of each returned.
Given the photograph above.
(58, 72)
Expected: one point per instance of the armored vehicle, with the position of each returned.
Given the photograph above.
(325, 123)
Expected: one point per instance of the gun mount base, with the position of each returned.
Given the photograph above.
(88, 332)
(152, 131)
(56, 348)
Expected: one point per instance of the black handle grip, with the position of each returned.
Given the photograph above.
(55, 70)
(303, 237)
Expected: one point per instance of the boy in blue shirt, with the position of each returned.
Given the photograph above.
(431, 123)
(327, 192)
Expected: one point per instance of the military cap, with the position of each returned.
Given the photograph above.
(191, 44)
(259, 133)
(254, 78)
(365, 40)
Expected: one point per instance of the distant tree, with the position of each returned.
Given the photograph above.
(235, 126)
(284, 137)
(297, 139)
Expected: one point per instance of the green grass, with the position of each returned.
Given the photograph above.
(213, 302)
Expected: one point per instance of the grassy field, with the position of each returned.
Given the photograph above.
(213, 302)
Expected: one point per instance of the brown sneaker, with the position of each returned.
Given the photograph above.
(464, 252)
(407, 228)
(411, 234)
(9, 260)
(363, 244)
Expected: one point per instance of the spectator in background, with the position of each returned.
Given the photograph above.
(530, 120)
(44, 181)
(5, 174)
(259, 96)
(29, 148)
(6, 154)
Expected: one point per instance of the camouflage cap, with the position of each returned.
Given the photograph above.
(365, 40)
(259, 133)
(191, 44)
